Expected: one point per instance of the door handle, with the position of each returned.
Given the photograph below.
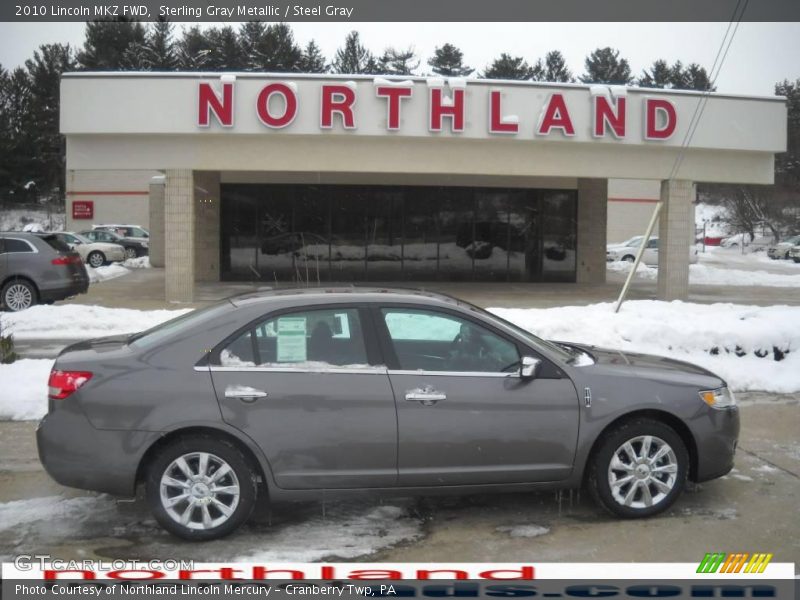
(426, 396)
(244, 393)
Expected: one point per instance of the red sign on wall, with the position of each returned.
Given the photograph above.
(83, 209)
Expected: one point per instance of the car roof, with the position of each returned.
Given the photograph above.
(353, 293)
(28, 234)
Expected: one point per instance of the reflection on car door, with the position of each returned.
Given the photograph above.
(464, 415)
(304, 386)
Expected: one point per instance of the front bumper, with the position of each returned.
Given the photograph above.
(116, 255)
(716, 435)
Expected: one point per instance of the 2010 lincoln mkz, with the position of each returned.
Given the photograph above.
(284, 395)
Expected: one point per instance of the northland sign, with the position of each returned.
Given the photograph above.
(335, 105)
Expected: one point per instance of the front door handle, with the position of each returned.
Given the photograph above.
(426, 396)
(244, 393)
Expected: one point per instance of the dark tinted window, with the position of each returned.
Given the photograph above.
(14, 245)
(55, 243)
(301, 339)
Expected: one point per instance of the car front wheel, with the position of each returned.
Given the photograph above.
(96, 259)
(18, 294)
(201, 488)
(639, 469)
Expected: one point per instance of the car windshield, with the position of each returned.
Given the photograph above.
(793, 240)
(635, 241)
(150, 337)
(80, 238)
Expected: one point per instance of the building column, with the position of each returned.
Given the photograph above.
(156, 241)
(207, 226)
(675, 238)
(592, 226)
(179, 227)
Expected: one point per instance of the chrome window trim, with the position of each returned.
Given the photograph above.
(453, 373)
(333, 369)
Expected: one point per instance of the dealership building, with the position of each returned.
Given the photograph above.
(321, 178)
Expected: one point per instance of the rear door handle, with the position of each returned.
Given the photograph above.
(426, 396)
(244, 393)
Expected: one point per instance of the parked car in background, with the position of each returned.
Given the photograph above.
(757, 244)
(95, 254)
(133, 248)
(301, 394)
(132, 232)
(794, 253)
(781, 249)
(38, 268)
(650, 257)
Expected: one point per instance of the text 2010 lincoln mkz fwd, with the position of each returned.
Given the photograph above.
(288, 394)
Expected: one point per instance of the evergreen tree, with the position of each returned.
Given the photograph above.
(135, 58)
(193, 50)
(696, 78)
(399, 62)
(18, 130)
(276, 50)
(160, 52)
(508, 67)
(661, 75)
(312, 60)
(448, 61)
(6, 154)
(225, 51)
(787, 164)
(605, 66)
(251, 36)
(106, 43)
(353, 57)
(555, 68)
(658, 76)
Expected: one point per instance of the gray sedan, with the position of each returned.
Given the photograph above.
(288, 394)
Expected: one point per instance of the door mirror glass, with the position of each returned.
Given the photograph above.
(529, 368)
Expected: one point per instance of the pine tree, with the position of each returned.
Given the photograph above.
(787, 164)
(658, 76)
(6, 139)
(193, 50)
(312, 60)
(555, 68)
(353, 57)
(225, 51)
(448, 61)
(696, 78)
(251, 35)
(276, 50)
(106, 42)
(160, 52)
(508, 67)
(399, 62)
(661, 75)
(605, 66)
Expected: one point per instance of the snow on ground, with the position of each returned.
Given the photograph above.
(524, 531)
(713, 216)
(24, 396)
(106, 272)
(78, 321)
(709, 335)
(15, 219)
(143, 262)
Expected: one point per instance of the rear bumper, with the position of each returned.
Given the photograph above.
(59, 293)
(75, 454)
(716, 443)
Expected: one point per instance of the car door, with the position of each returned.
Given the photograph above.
(307, 386)
(650, 256)
(465, 416)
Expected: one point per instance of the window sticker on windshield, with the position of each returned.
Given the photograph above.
(291, 339)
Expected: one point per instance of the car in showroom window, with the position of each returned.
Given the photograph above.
(291, 394)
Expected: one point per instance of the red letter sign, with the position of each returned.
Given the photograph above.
(654, 107)
(394, 94)
(606, 115)
(496, 122)
(337, 99)
(556, 116)
(289, 103)
(454, 111)
(208, 101)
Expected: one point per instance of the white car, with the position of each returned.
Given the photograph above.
(794, 253)
(781, 249)
(627, 251)
(95, 254)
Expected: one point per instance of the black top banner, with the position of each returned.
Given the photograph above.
(398, 10)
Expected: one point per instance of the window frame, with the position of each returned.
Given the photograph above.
(371, 346)
(32, 249)
(548, 370)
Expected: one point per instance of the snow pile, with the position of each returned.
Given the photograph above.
(706, 274)
(106, 272)
(142, 262)
(24, 385)
(344, 532)
(15, 219)
(78, 322)
(524, 531)
(737, 342)
(53, 509)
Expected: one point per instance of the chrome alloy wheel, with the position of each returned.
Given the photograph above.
(199, 490)
(18, 297)
(96, 259)
(642, 472)
(130, 252)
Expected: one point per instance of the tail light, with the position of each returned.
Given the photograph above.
(64, 383)
(66, 260)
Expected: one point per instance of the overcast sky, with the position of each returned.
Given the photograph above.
(762, 53)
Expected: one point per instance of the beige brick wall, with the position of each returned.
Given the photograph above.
(207, 225)
(179, 228)
(592, 215)
(157, 192)
(676, 234)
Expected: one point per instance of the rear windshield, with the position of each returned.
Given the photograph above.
(56, 244)
(150, 337)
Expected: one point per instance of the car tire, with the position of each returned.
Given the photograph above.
(657, 472)
(18, 294)
(131, 253)
(96, 259)
(628, 258)
(182, 498)
(795, 259)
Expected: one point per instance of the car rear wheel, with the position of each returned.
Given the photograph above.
(18, 294)
(628, 258)
(639, 469)
(96, 259)
(130, 253)
(201, 488)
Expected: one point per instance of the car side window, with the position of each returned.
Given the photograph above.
(433, 341)
(652, 244)
(311, 338)
(13, 245)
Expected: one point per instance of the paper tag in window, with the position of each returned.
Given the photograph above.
(292, 339)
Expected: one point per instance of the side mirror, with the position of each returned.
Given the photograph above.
(529, 368)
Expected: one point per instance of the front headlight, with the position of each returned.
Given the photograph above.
(720, 398)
